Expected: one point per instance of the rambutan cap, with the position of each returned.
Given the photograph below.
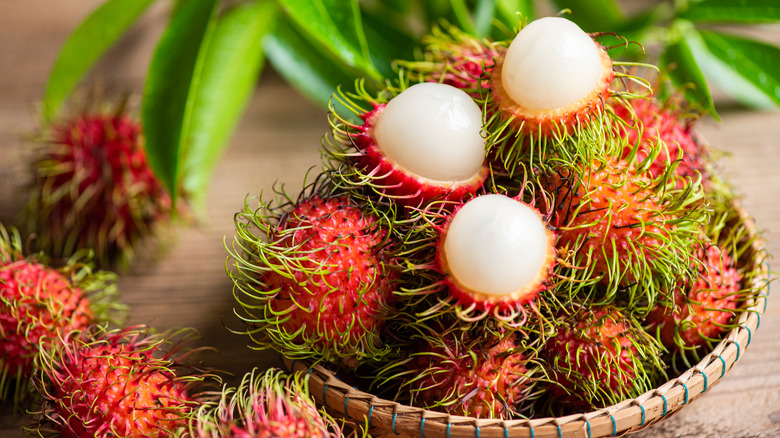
(497, 249)
(433, 131)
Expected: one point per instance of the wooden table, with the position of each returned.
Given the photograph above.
(277, 141)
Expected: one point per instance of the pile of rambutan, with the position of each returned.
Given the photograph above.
(511, 229)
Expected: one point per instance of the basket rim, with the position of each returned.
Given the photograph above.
(625, 417)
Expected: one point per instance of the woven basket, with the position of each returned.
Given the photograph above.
(388, 418)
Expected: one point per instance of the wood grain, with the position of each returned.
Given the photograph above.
(276, 142)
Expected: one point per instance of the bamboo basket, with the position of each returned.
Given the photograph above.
(388, 418)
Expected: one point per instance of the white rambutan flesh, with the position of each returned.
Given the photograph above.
(550, 64)
(433, 131)
(496, 246)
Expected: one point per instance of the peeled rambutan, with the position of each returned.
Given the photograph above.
(496, 254)
(473, 373)
(315, 278)
(93, 188)
(128, 383)
(704, 304)
(552, 76)
(598, 357)
(265, 405)
(425, 143)
(648, 126)
(620, 228)
(39, 303)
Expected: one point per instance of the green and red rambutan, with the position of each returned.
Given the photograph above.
(598, 357)
(455, 58)
(265, 405)
(468, 370)
(651, 124)
(39, 303)
(622, 229)
(133, 382)
(412, 145)
(705, 304)
(92, 187)
(315, 277)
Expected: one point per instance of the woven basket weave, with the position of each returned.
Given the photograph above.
(388, 418)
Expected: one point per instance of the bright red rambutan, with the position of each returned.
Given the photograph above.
(703, 304)
(93, 188)
(320, 279)
(599, 357)
(36, 303)
(39, 303)
(268, 405)
(122, 383)
(651, 126)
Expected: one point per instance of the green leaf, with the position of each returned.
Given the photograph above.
(483, 16)
(511, 11)
(732, 11)
(756, 62)
(686, 75)
(167, 93)
(85, 46)
(231, 64)
(464, 19)
(593, 15)
(308, 69)
(337, 25)
(388, 43)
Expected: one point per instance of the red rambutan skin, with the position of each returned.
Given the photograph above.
(612, 214)
(663, 124)
(483, 382)
(110, 390)
(272, 409)
(94, 184)
(548, 122)
(394, 181)
(595, 348)
(467, 64)
(703, 305)
(36, 303)
(339, 290)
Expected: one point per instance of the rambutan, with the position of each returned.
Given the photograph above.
(39, 303)
(552, 76)
(704, 304)
(622, 229)
(315, 278)
(470, 372)
(598, 357)
(93, 188)
(265, 405)
(649, 125)
(128, 383)
(488, 257)
(421, 144)
(455, 58)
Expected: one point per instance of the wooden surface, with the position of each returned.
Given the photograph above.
(277, 141)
